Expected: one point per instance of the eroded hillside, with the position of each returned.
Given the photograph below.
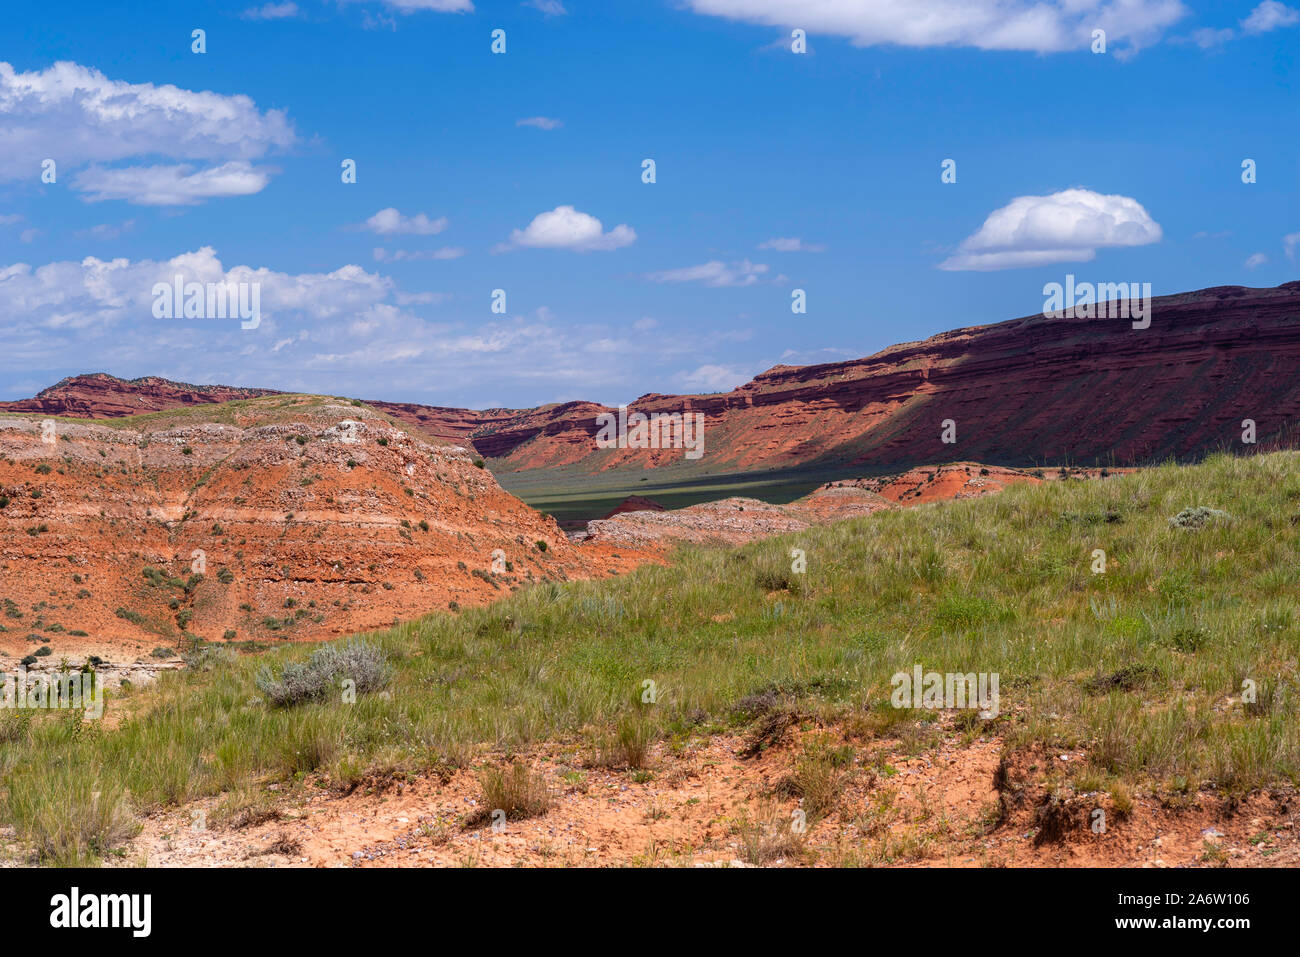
(295, 517)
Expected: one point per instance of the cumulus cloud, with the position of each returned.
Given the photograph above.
(390, 222)
(348, 331)
(1270, 15)
(104, 308)
(1256, 260)
(99, 295)
(541, 122)
(791, 244)
(178, 185)
(1069, 226)
(80, 118)
(566, 228)
(1042, 26)
(714, 273)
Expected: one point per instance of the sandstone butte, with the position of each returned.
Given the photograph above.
(1022, 392)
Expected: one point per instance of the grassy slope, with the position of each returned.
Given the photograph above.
(1000, 584)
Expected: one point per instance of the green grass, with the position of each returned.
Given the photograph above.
(575, 496)
(1140, 665)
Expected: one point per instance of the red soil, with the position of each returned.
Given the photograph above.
(302, 533)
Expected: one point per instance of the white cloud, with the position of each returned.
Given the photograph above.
(8, 219)
(714, 273)
(80, 118)
(552, 8)
(1270, 15)
(712, 378)
(1290, 242)
(1069, 226)
(348, 331)
(1256, 260)
(390, 222)
(791, 244)
(171, 185)
(1043, 26)
(99, 295)
(1207, 38)
(430, 6)
(820, 354)
(106, 230)
(541, 122)
(271, 11)
(645, 324)
(566, 228)
(421, 298)
(413, 255)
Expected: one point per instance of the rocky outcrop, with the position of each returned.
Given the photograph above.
(1019, 393)
(635, 503)
(317, 520)
(103, 396)
(1029, 391)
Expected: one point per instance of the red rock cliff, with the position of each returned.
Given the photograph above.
(1021, 392)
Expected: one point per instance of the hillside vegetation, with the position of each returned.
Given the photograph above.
(277, 409)
(1142, 665)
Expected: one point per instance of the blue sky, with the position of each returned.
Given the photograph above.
(1119, 166)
